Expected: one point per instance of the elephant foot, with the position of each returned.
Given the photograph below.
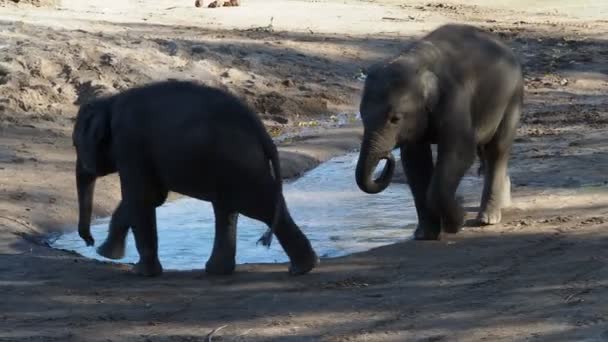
(489, 217)
(111, 250)
(87, 237)
(304, 267)
(451, 227)
(148, 269)
(453, 221)
(219, 268)
(424, 234)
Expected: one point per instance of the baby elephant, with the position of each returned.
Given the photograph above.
(192, 139)
(460, 88)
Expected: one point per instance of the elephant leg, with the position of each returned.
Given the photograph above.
(114, 245)
(222, 260)
(496, 189)
(417, 162)
(295, 244)
(146, 240)
(455, 155)
(505, 198)
(140, 194)
(497, 183)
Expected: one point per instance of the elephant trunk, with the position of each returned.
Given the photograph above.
(85, 185)
(369, 157)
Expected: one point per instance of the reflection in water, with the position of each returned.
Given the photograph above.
(337, 217)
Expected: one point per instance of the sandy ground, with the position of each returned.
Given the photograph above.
(541, 275)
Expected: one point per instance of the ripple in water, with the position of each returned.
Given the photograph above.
(337, 217)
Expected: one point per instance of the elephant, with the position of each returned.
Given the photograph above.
(194, 140)
(460, 88)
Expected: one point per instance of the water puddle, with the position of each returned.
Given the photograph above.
(337, 217)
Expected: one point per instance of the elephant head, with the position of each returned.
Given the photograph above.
(397, 99)
(94, 158)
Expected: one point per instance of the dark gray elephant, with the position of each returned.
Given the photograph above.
(192, 139)
(457, 87)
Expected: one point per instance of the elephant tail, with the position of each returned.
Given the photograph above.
(271, 152)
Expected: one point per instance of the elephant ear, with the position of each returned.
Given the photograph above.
(430, 89)
(90, 133)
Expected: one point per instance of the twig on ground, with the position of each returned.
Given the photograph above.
(210, 335)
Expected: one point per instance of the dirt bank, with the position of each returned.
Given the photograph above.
(539, 276)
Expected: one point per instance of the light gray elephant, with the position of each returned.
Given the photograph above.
(458, 87)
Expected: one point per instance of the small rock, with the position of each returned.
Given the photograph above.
(198, 48)
(279, 119)
(198, 3)
(563, 82)
(288, 83)
(304, 88)
(107, 59)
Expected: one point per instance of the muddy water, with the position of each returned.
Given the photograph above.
(336, 216)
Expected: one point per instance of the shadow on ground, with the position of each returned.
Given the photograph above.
(471, 277)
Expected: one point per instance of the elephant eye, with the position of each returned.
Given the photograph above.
(394, 119)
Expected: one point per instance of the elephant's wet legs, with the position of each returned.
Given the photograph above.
(454, 158)
(222, 260)
(296, 245)
(417, 162)
(114, 245)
